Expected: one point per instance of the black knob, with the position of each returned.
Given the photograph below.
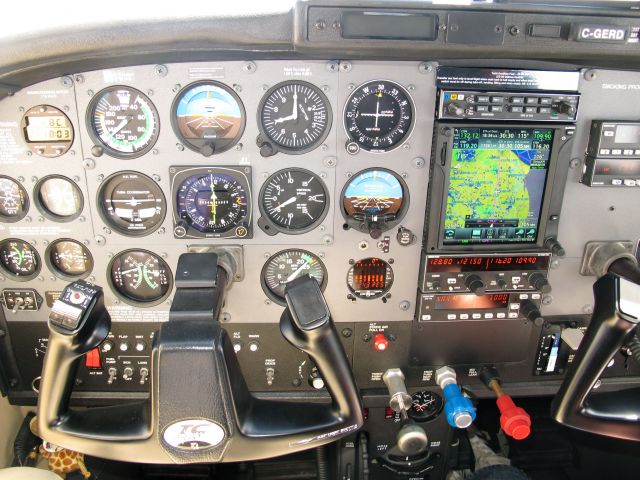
(554, 245)
(435, 285)
(539, 282)
(412, 440)
(475, 284)
(267, 150)
(566, 107)
(455, 109)
(502, 284)
(530, 311)
(207, 149)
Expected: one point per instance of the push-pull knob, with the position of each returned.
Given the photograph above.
(399, 399)
(475, 284)
(539, 282)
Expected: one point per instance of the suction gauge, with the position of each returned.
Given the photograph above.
(370, 278)
(59, 198)
(292, 201)
(47, 131)
(294, 118)
(132, 203)
(286, 266)
(14, 200)
(208, 117)
(140, 277)
(123, 122)
(378, 116)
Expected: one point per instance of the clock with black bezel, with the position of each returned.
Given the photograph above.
(377, 117)
(294, 117)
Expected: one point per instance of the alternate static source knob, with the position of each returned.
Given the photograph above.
(539, 282)
(400, 400)
(380, 342)
(412, 440)
(475, 284)
(455, 109)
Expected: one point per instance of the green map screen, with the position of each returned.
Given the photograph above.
(496, 185)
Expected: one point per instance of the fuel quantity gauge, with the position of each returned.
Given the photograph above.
(14, 201)
(19, 259)
(140, 277)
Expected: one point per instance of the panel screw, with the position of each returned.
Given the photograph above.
(347, 332)
(226, 316)
(424, 67)
(249, 67)
(590, 75)
(411, 88)
(67, 82)
(327, 239)
(267, 302)
(332, 67)
(100, 177)
(405, 305)
(346, 66)
(180, 147)
(351, 86)
(150, 93)
(100, 240)
(155, 151)
(406, 146)
(34, 179)
(92, 279)
(237, 87)
(90, 93)
(547, 300)
(76, 178)
(514, 30)
(86, 242)
(325, 88)
(21, 109)
(156, 177)
(160, 71)
(366, 337)
(265, 88)
(239, 147)
(82, 219)
(418, 162)
(79, 79)
(176, 87)
(330, 161)
(574, 163)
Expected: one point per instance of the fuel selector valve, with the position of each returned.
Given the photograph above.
(458, 409)
(514, 421)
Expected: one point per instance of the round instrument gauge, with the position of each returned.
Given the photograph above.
(132, 203)
(19, 259)
(370, 278)
(293, 201)
(213, 203)
(14, 200)
(294, 118)
(378, 116)
(140, 277)
(58, 198)
(123, 121)
(374, 199)
(208, 117)
(69, 259)
(425, 406)
(47, 131)
(286, 266)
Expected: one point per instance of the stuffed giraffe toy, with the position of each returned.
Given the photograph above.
(59, 460)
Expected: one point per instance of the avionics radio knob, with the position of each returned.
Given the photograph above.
(539, 282)
(566, 107)
(531, 312)
(475, 284)
(455, 109)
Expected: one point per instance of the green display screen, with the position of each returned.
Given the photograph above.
(496, 185)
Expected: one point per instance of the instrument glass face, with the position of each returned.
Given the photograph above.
(14, 200)
(59, 198)
(140, 277)
(19, 259)
(378, 116)
(370, 278)
(286, 266)
(373, 192)
(69, 258)
(123, 121)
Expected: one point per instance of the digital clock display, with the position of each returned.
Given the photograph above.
(471, 301)
(48, 129)
(488, 263)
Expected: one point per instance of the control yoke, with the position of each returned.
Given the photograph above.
(200, 409)
(616, 316)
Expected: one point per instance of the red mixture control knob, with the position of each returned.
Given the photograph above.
(380, 342)
(515, 421)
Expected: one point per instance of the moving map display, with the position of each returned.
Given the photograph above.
(496, 185)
